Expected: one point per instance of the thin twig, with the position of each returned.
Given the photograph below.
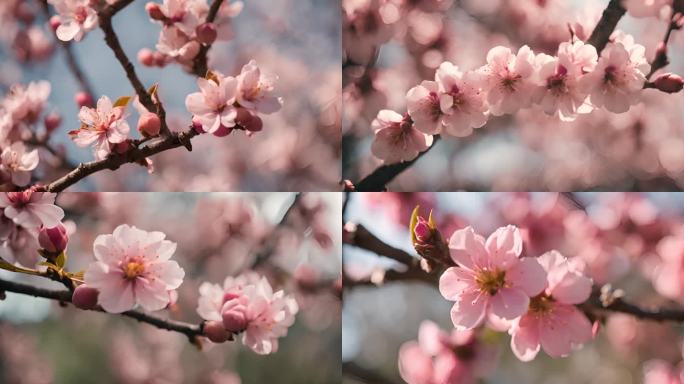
(192, 331)
(199, 64)
(263, 254)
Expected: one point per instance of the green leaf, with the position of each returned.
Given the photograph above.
(414, 221)
(122, 101)
(61, 260)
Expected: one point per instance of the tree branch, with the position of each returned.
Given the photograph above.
(604, 28)
(115, 160)
(192, 331)
(199, 64)
(378, 180)
(271, 241)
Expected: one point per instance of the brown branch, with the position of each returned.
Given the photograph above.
(115, 160)
(377, 181)
(105, 20)
(266, 250)
(199, 64)
(363, 238)
(661, 60)
(192, 331)
(604, 28)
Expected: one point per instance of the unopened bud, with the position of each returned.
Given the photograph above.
(146, 57)
(669, 83)
(215, 332)
(85, 297)
(52, 121)
(197, 125)
(422, 231)
(222, 131)
(83, 99)
(149, 125)
(154, 11)
(206, 33)
(248, 121)
(53, 240)
(160, 59)
(121, 147)
(234, 317)
(55, 22)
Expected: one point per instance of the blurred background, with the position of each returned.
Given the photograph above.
(391, 46)
(299, 147)
(218, 234)
(626, 240)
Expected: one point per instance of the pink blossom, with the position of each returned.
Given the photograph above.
(248, 304)
(256, 90)
(461, 99)
(668, 278)
(658, 371)
(491, 280)
(76, 18)
(509, 79)
(26, 103)
(396, 139)
(176, 44)
(423, 106)
(439, 357)
(133, 268)
(213, 105)
(19, 163)
(182, 14)
(31, 209)
(618, 79)
(561, 92)
(102, 126)
(552, 321)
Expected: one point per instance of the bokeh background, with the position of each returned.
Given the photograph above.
(218, 234)
(391, 46)
(620, 237)
(299, 147)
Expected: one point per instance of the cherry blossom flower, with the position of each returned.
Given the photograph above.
(31, 209)
(256, 90)
(461, 99)
(619, 77)
(103, 126)
(182, 14)
(26, 103)
(248, 304)
(509, 79)
(133, 268)
(18, 163)
(423, 106)
(668, 275)
(76, 18)
(440, 357)
(175, 44)
(561, 92)
(213, 105)
(396, 139)
(491, 280)
(552, 321)
(658, 371)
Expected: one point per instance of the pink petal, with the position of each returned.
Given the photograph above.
(527, 274)
(431, 337)
(467, 248)
(574, 288)
(68, 30)
(196, 104)
(565, 327)
(415, 365)
(169, 272)
(456, 281)
(525, 340)
(50, 215)
(509, 303)
(504, 245)
(151, 294)
(469, 311)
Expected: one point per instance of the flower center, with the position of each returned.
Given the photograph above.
(491, 281)
(541, 304)
(509, 82)
(133, 268)
(81, 14)
(610, 75)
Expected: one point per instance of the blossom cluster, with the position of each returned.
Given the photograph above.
(20, 112)
(74, 18)
(533, 298)
(247, 304)
(185, 30)
(575, 81)
(225, 103)
(21, 31)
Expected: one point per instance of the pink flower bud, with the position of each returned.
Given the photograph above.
(197, 125)
(83, 99)
(215, 331)
(249, 122)
(149, 125)
(234, 317)
(52, 121)
(55, 22)
(121, 147)
(159, 59)
(154, 11)
(206, 33)
(85, 297)
(146, 57)
(669, 83)
(422, 231)
(53, 240)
